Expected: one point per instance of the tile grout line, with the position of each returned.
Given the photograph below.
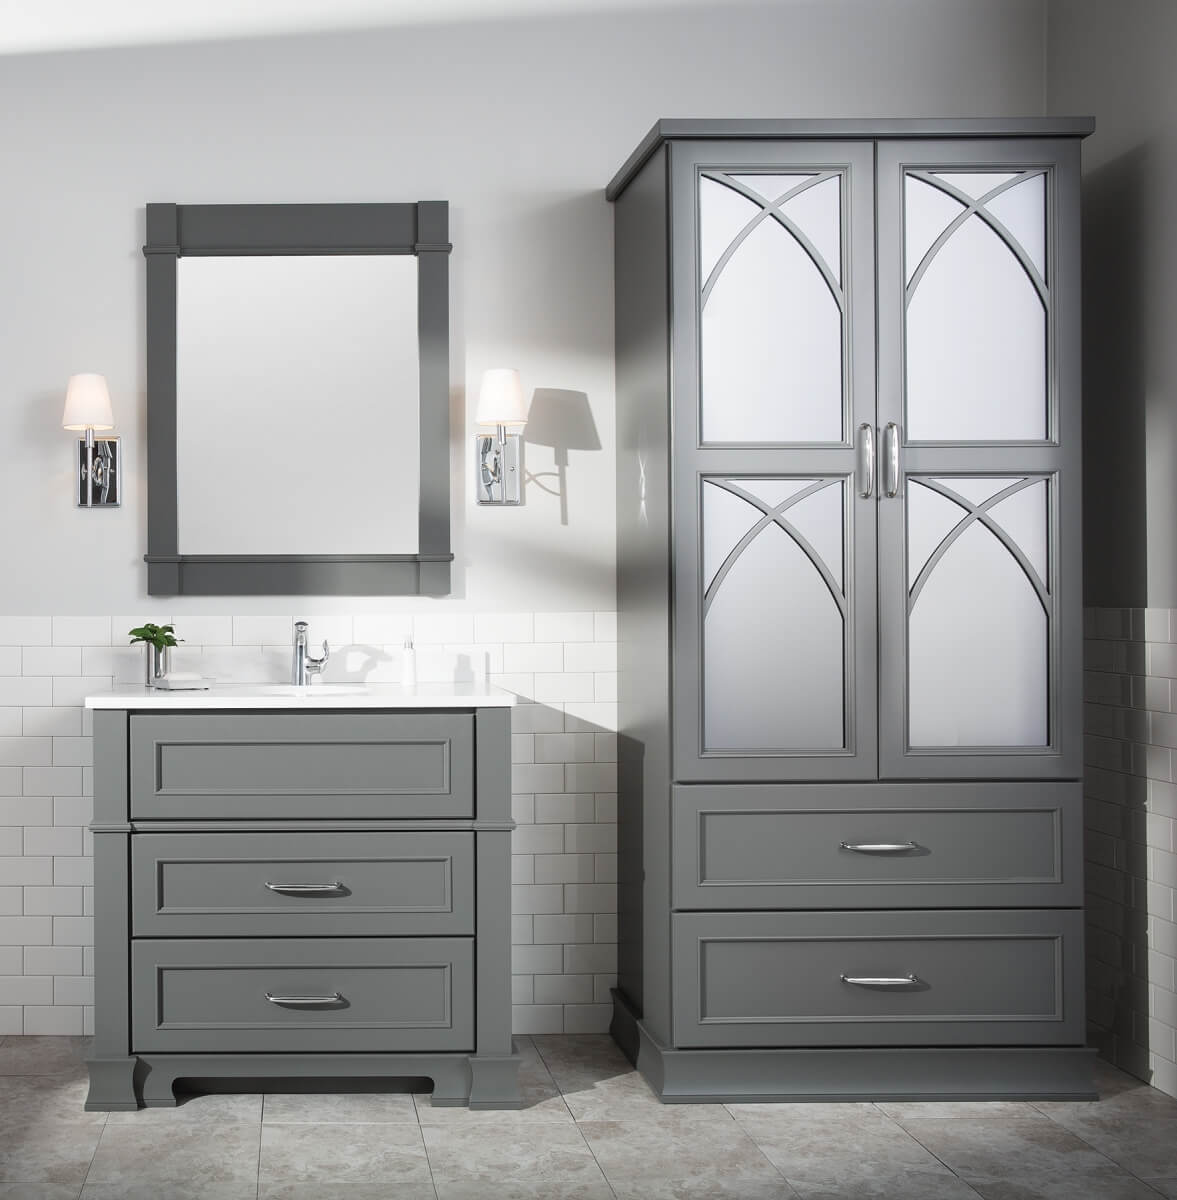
(261, 1129)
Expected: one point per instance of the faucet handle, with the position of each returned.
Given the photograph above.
(315, 665)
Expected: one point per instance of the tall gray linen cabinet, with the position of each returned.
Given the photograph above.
(850, 612)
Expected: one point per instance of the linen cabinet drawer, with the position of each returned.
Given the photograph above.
(882, 845)
(301, 765)
(302, 884)
(878, 978)
(302, 994)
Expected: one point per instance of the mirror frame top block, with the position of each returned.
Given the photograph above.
(223, 230)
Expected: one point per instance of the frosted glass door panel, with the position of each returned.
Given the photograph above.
(774, 615)
(978, 612)
(772, 309)
(977, 305)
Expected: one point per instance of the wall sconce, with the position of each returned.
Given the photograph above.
(87, 406)
(498, 457)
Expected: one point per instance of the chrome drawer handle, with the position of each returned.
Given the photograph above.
(880, 981)
(879, 847)
(305, 889)
(334, 998)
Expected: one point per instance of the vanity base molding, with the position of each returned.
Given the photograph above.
(148, 1080)
(853, 1074)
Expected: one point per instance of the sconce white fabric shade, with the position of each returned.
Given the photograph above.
(500, 399)
(87, 403)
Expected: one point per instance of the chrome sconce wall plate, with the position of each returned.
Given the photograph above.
(498, 456)
(99, 463)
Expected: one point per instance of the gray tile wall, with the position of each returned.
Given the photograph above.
(562, 665)
(1131, 837)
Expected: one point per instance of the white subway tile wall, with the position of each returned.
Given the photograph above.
(564, 784)
(1130, 788)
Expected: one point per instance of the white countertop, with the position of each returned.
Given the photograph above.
(316, 695)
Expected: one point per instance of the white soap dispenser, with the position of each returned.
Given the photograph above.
(409, 664)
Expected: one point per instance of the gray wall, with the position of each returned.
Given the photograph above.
(1116, 61)
(518, 124)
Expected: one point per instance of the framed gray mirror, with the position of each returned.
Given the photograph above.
(298, 399)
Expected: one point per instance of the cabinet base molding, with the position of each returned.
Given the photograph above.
(833, 1074)
(148, 1080)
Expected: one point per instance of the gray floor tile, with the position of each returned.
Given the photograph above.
(1009, 1147)
(510, 1163)
(1144, 1145)
(1167, 1187)
(1064, 1185)
(714, 1160)
(57, 1153)
(220, 1158)
(900, 1184)
(971, 1110)
(361, 1162)
(37, 1191)
(245, 1108)
(38, 1099)
(362, 1108)
(44, 1056)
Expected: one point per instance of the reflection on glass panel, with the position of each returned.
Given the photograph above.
(930, 518)
(771, 334)
(818, 519)
(723, 212)
(976, 344)
(817, 212)
(1022, 210)
(977, 650)
(727, 518)
(927, 213)
(976, 184)
(770, 188)
(1025, 517)
(978, 488)
(773, 674)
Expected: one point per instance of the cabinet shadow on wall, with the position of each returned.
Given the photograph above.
(563, 420)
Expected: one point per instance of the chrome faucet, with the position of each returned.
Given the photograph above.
(303, 665)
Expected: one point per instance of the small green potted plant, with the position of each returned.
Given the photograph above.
(158, 641)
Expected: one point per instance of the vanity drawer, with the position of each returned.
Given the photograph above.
(787, 979)
(304, 884)
(302, 765)
(917, 845)
(372, 995)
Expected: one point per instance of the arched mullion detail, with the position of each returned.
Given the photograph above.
(772, 516)
(771, 209)
(975, 513)
(978, 207)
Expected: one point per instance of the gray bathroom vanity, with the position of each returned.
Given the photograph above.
(302, 882)
(850, 642)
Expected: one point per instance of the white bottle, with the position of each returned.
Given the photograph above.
(409, 664)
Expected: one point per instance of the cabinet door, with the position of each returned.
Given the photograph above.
(773, 368)
(979, 412)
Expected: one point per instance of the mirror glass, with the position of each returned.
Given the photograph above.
(297, 405)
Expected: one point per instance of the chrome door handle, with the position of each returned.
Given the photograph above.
(891, 459)
(866, 458)
(878, 847)
(305, 889)
(880, 980)
(334, 998)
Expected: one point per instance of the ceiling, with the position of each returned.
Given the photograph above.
(29, 26)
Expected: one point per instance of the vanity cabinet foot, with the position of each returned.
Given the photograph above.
(112, 1085)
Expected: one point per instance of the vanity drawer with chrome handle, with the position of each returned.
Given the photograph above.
(302, 994)
(376, 883)
(877, 978)
(886, 845)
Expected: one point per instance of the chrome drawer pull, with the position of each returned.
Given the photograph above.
(305, 889)
(879, 847)
(334, 998)
(880, 981)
